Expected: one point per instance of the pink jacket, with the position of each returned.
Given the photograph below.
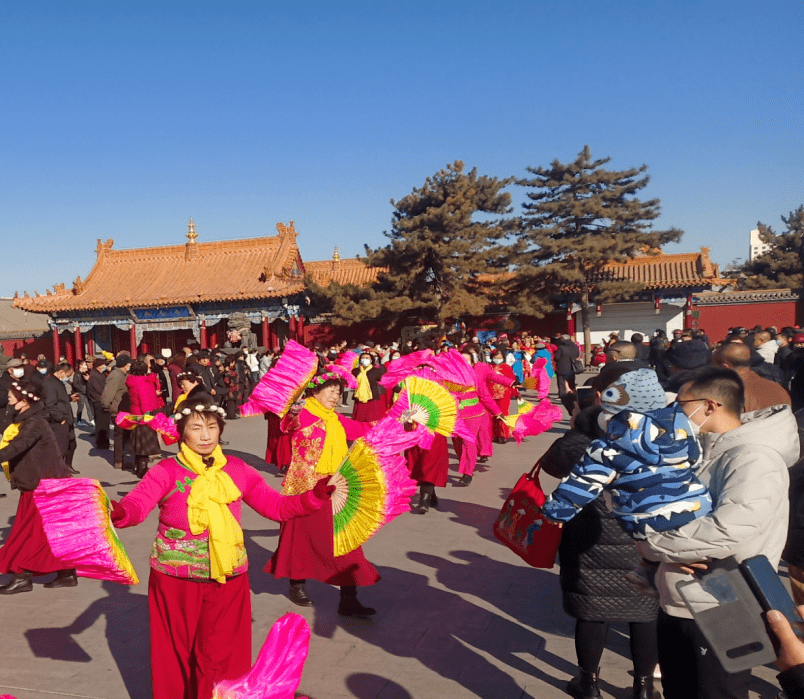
(144, 393)
(474, 402)
(179, 552)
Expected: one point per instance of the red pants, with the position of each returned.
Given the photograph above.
(200, 634)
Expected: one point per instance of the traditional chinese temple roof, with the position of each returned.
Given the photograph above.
(232, 270)
(686, 269)
(352, 270)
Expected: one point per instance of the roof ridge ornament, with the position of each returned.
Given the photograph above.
(191, 247)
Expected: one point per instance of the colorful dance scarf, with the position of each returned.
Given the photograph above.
(363, 392)
(10, 432)
(208, 509)
(335, 448)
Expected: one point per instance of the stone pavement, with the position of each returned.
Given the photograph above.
(459, 615)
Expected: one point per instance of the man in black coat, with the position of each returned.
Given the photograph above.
(566, 352)
(95, 386)
(57, 409)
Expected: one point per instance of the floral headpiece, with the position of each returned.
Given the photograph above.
(28, 395)
(192, 376)
(320, 379)
(200, 408)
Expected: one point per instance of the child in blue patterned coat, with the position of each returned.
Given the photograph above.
(646, 462)
(645, 466)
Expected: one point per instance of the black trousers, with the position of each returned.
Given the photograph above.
(102, 420)
(590, 639)
(566, 383)
(121, 437)
(690, 670)
(65, 438)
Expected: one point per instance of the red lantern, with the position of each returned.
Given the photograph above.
(657, 304)
(599, 309)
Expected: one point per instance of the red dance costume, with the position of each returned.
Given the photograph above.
(278, 450)
(200, 628)
(430, 465)
(502, 397)
(474, 408)
(305, 550)
(32, 454)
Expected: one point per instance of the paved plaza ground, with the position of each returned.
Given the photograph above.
(459, 615)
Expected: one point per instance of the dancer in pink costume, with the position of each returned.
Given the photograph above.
(474, 408)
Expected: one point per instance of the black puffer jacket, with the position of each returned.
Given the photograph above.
(595, 553)
(33, 454)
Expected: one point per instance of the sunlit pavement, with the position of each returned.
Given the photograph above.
(458, 614)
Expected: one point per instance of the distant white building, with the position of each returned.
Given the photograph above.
(756, 246)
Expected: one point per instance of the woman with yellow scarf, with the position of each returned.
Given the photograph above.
(305, 550)
(198, 591)
(371, 399)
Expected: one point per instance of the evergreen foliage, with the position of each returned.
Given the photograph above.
(579, 216)
(783, 265)
(439, 248)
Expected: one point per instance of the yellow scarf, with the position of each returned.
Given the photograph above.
(179, 401)
(10, 432)
(363, 390)
(335, 447)
(207, 509)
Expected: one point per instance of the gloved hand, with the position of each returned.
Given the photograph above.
(323, 490)
(117, 512)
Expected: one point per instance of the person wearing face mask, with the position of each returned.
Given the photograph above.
(502, 396)
(95, 385)
(370, 401)
(56, 401)
(744, 466)
(29, 452)
(14, 372)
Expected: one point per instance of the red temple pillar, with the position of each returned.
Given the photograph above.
(291, 327)
(90, 346)
(132, 336)
(202, 325)
(56, 345)
(688, 313)
(300, 330)
(69, 353)
(570, 322)
(272, 337)
(79, 354)
(266, 333)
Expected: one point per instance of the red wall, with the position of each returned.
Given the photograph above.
(715, 321)
(30, 347)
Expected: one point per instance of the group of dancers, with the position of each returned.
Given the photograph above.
(198, 589)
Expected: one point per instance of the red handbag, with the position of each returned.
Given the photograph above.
(522, 527)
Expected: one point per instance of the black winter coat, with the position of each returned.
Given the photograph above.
(595, 553)
(373, 375)
(34, 453)
(565, 352)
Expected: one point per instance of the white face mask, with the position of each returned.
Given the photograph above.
(697, 428)
(497, 360)
(42, 371)
(18, 373)
(365, 362)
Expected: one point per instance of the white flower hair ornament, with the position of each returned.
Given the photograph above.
(200, 408)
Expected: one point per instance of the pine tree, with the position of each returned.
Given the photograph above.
(579, 217)
(782, 266)
(439, 248)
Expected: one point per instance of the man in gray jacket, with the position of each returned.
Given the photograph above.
(745, 462)
(114, 399)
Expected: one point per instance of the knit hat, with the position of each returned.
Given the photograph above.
(123, 360)
(638, 390)
(688, 355)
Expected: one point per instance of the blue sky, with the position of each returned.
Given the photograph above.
(124, 120)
